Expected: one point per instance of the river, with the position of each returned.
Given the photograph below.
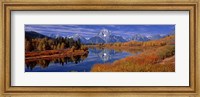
(76, 63)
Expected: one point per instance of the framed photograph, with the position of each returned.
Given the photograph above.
(105, 47)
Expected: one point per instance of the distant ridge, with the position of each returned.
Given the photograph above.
(33, 34)
(155, 37)
(82, 39)
(96, 40)
(139, 37)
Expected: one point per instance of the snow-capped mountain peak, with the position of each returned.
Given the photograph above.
(57, 36)
(77, 36)
(105, 36)
(139, 37)
(155, 37)
(104, 33)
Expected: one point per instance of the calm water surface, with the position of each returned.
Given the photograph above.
(76, 63)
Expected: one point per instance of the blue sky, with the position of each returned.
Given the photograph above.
(89, 31)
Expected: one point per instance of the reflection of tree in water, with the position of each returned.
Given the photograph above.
(30, 64)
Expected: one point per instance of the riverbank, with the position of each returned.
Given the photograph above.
(148, 61)
(54, 53)
(129, 49)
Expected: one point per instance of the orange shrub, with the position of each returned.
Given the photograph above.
(146, 61)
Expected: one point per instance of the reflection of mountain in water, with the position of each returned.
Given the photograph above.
(104, 54)
(75, 63)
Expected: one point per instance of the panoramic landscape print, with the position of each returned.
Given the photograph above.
(99, 48)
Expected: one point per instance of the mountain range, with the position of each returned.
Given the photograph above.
(77, 36)
(103, 36)
(155, 37)
(139, 37)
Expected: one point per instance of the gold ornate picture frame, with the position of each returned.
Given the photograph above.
(100, 5)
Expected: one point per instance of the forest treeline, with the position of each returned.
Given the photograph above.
(168, 40)
(41, 44)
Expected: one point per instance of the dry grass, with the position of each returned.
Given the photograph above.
(147, 61)
(39, 53)
(54, 53)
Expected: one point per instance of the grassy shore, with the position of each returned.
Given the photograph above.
(148, 61)
(54, 53)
